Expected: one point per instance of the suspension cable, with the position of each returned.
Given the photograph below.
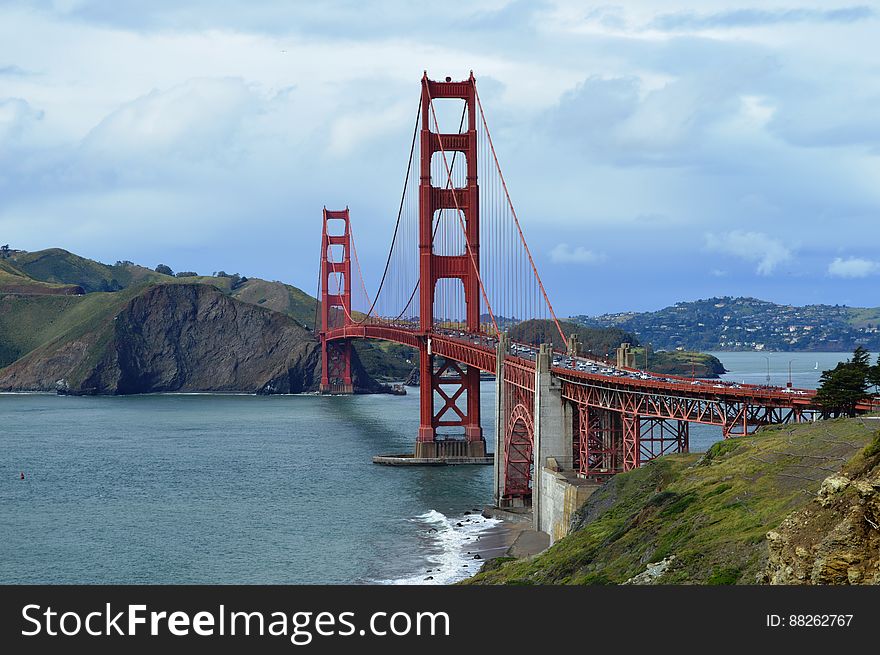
(412, 149)
(358, 266)
(437, 226)
(516, 220)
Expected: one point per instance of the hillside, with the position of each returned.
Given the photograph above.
(12, 280)
(680, 362)
(728, 323)
(31, 315)
(716, 518)
(598, 341)
(59, 266)
(167, 337)
(30, 321)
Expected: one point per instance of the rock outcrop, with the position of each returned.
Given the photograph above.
(652, 572)
(181, 338)
(836, 538)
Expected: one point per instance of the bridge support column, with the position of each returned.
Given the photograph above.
(336, 367)
(599, 447)
(426, 446)
(457, 387)
(660, 436)
(500, 418)
(450, 382)
(551, 438)
(632, 457)
(335, 307)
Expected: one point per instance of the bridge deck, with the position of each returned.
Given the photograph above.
(479, 350)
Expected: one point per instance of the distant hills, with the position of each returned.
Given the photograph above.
(727, 323)
(72, 324)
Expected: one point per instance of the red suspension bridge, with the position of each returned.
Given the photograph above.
(458, 273)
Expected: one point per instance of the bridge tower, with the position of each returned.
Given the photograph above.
(335, 307)
(449, 380)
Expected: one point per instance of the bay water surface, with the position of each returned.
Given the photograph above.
(251, 489)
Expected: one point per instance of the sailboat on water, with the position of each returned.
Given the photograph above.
(816, 367)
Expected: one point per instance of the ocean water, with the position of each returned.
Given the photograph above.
(249, 489)
(752, 368)
(227, 488)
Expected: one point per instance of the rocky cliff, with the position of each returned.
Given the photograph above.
(835, 539)
(179, 337)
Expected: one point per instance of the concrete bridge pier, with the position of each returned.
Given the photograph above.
(556, 490)
(552, 439)
(500, 417)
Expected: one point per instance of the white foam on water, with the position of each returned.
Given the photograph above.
(456, 542)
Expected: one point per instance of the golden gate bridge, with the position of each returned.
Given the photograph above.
(458, 272)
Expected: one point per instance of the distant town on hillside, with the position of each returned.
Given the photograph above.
(728, 323)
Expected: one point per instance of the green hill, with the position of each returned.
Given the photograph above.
(53, 302)
(599, 341)
(30, 321)
(164, 337)
(62, 267)
(705, 518)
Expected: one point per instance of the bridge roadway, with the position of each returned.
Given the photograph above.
(480, 351)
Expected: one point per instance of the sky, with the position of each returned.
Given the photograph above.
(656, 151)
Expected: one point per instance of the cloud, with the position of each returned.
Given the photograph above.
(195, 119)
(818, 117)
(853, 267)
(566, 254)
(333, 20)
(750, 246)
(239, 120)
(14, 71)
(738, 18)
(17, 117)
(680, 117)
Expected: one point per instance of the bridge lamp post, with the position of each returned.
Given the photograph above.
(789, 372)
(768, 369)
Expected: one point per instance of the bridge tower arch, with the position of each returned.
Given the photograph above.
(457, 387)
(335, 307)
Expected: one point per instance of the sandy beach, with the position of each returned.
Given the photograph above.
(512, 537)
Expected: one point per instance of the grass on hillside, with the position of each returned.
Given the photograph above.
(711, 511)
(861, 317)
(29, 322)
(15, 283)
(62, 267)
(679, 362)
